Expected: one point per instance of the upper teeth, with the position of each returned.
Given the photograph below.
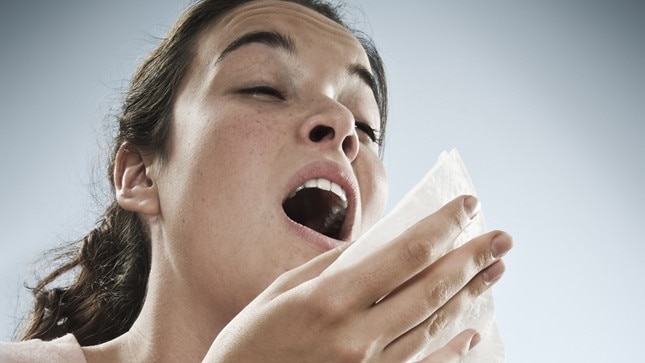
(324, 184)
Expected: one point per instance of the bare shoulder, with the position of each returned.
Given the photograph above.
(63, 349)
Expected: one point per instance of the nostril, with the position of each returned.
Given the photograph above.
(349, 146)
(321, 132)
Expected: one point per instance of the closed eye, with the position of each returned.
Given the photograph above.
(369, 131)
(263, 91)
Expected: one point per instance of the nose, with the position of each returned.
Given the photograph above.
(332, 127)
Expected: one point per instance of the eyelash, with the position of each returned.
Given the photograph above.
(264, 90)
(270, 91)
(369, 131)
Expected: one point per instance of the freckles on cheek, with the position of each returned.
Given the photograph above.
(242, 142)
(261, 133)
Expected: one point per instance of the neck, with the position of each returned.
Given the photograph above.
(170, 328)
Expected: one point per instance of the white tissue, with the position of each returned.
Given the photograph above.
(447, 180)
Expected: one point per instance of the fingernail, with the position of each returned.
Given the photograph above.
(471, 205)
(501, 245)
(474, 341)
(493, 272)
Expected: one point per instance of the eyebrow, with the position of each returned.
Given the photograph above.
(280, 41)
(270, 38)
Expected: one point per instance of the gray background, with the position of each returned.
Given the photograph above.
(545, 100)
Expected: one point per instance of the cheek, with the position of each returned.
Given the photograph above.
(233, 145)
(211, 163)
(372, 179)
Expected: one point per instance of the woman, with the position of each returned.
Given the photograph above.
(247, 157)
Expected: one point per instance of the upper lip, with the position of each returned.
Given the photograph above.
(336, 173)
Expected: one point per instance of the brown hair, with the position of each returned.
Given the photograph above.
(112, 262)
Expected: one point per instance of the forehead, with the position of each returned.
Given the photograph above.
(305, 26)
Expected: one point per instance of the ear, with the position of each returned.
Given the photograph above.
(135, 189)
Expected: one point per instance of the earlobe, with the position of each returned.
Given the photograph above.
(135, 190)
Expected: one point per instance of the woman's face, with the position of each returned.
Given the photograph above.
(270, 159)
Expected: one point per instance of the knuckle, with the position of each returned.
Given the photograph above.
(455, 217)
(481, 258)
(427, 243)
(484, 252)
(351, 353)
(357, 350)
(331, 311)
(418, 251)
(439, 292)
(328, 306)
(455, 351)
(284, 279)
(476, 288)
(459, 223)
(436, 323)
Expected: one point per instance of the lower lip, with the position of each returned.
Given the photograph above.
(317, 240)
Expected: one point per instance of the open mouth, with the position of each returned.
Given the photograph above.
(318, 204)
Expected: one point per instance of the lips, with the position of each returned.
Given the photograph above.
(323, 201)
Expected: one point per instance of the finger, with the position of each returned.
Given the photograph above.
(421, 335)
(389, 266)
(456, 349)
(452, 351)
(422, 298)
(415, 339)
(461, 303)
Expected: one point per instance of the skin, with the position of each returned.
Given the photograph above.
(219, 234)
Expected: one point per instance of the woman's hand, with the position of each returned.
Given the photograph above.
(384, 308)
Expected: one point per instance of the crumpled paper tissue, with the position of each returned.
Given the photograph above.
(447, 180)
